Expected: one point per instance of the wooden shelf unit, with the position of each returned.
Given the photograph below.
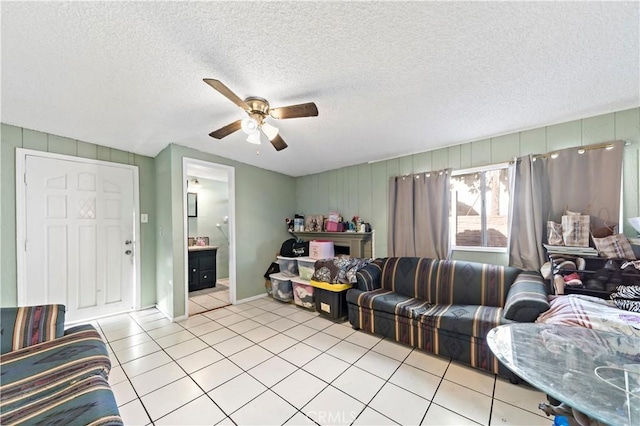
(360, 244)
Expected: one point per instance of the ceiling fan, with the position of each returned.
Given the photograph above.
(257, 110)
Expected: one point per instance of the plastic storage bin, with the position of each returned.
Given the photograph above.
(303, 293)
(331, 299)
(321, 249)
(306, 267)
(281, 288)
(288, 266)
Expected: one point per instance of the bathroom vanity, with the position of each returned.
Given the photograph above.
(202, 267)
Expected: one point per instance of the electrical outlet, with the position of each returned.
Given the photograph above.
(144, 218)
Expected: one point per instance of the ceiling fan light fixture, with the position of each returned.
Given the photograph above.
(270, 131)
(249, 125)
(254, 138)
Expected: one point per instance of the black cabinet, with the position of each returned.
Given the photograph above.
(202, 268)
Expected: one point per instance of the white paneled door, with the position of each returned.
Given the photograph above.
(79, 236)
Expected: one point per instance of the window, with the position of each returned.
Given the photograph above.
(481, 200)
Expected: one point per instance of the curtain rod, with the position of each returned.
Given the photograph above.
(580, 150)
(427, 174)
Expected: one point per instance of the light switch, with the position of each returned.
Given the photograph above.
(144, 218)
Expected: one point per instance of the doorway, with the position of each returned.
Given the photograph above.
(209, 233)
(78, 234)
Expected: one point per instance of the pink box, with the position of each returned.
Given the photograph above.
(321, 249)
(335, 227)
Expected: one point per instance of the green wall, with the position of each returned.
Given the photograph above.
(13, 137)
(263, 200)
(164, 244)
(362, 189)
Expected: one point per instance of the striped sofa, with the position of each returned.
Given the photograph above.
(52, 376)
(444, 306)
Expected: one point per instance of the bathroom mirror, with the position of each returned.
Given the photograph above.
(192, 204)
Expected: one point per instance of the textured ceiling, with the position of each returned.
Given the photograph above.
(389, 78)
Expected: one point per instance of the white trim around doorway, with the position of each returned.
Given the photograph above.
(230, 171)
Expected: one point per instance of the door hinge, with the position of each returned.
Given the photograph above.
(25, 178)
(25, 245)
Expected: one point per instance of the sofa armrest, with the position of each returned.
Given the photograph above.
(370, 277)
(29, 325)
(527, 298)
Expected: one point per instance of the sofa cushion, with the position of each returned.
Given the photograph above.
(56, 363)
(468, 320)
(29, 325)
(390, 302)
(448, 281)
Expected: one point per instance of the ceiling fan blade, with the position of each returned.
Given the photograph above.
(295, 111)
(278, 143)
(226, 130)
(224, 90)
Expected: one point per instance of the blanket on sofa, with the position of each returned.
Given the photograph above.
(591, 312)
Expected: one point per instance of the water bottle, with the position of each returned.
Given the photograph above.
(561, 421)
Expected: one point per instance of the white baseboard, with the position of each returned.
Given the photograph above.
(249, 299)
(169, 317)
(142, 308)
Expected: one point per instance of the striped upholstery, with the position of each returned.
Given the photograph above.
(30, 325)
(390, 302)
(60, 381)
(471, 350)
(368, 278)
(89, 401)
(525, 300)
(445, 307)
(447, 281)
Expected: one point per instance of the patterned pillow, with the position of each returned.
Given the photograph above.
(29, 325)
(615, 247)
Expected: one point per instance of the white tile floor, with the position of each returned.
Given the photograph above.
(209, 298)
(263, 363)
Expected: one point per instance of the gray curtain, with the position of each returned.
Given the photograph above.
(588, 183)
(541, 190)
(528, 212)
(419, 215)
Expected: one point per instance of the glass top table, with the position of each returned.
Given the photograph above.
(594, 372)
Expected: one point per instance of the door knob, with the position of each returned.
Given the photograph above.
(127, 242)
(127, 252)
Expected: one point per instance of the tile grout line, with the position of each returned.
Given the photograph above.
(278, 355)
(189, 374)
(386, 381)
